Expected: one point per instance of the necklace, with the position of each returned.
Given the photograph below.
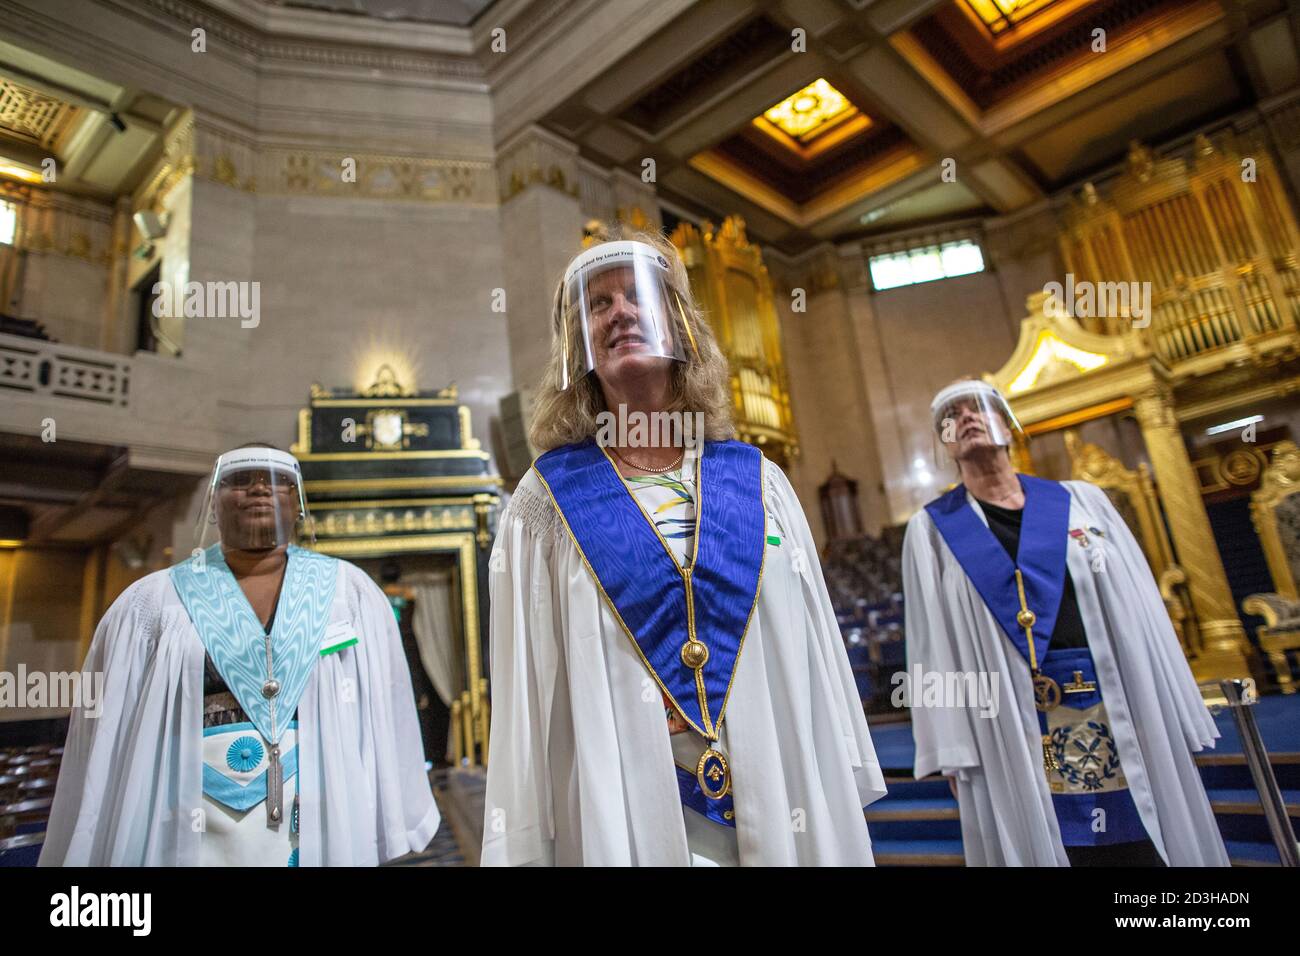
(1047, 693)
(270, 690)
(654, 471)
(274, 776)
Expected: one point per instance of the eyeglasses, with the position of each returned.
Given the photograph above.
(245, 480)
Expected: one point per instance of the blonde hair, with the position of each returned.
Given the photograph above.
(700, 384)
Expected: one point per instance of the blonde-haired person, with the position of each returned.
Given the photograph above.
(669, 685)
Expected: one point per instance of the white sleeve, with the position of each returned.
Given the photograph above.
(1169, 667)
(518, 821)
(943, 736)
(847, 705)
(80, 820)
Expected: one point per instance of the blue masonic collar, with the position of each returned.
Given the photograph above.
(660, 605)
(1041, 556)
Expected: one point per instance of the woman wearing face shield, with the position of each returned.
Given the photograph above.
(1081, 755)
(256, 707)
(669, 684)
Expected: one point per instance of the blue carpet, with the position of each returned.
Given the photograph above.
(1278, 718)
(894, 748)
(1245, 853)
(915, 848)
(909, 825)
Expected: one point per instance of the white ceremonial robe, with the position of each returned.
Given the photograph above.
(1156, 712)
(581, 766)
(131, 780)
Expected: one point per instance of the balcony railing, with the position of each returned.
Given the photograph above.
(63, 371)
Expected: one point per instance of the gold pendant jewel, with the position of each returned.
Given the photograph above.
(1047, 693)
(713, 774)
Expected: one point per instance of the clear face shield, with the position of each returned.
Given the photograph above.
(970, 416)
(618, 305)
(254, 502)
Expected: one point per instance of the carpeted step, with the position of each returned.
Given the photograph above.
(918, 852)
(1246, 800)
(1245, 853)
(908, 808)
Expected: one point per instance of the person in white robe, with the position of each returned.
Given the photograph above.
(669, 684)
(1040, 587)
(257, 708)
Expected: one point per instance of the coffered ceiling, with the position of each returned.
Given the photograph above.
(102, 136)
(1024, 97)
(814, 119)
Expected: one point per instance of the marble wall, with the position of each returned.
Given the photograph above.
(864, 365)
(63, 248)
(350, 284)
(397, 264)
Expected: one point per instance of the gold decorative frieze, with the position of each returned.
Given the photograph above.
(537, 158)
(217, 154)
(815, 273)
(362, 175)
(224, 156)
(58, 224)
(335, 524)
(171, 168)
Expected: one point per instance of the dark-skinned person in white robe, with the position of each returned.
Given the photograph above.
(257, 707)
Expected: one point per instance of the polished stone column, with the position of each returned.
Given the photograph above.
(1224, 646)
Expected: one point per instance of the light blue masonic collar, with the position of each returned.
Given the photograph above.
(236, 642)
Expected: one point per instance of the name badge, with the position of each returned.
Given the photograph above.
(338, 636)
